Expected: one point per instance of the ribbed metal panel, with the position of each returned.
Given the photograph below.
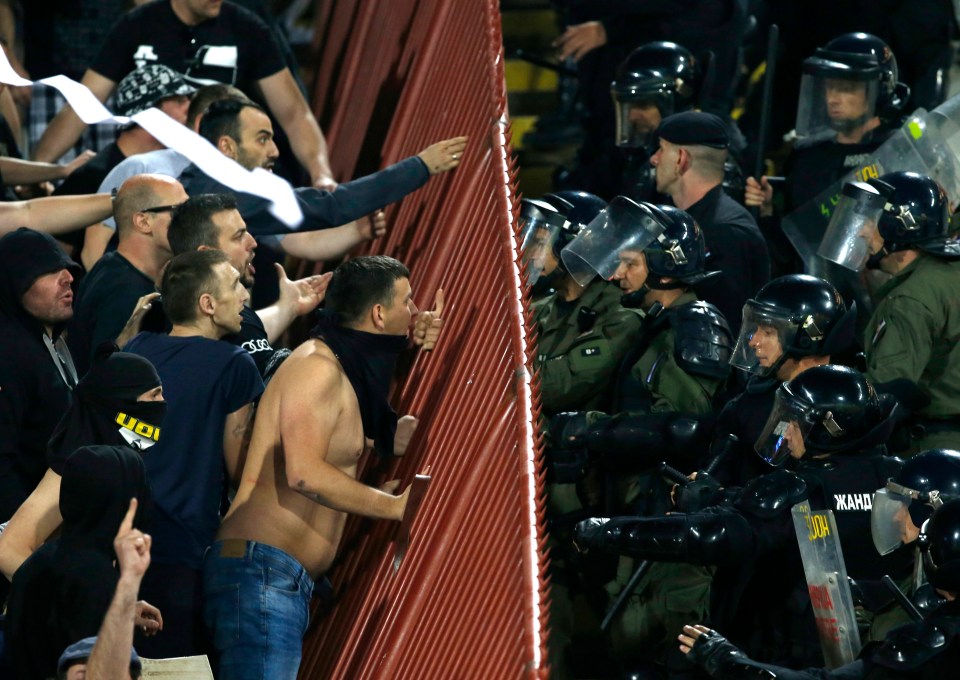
(469, 599)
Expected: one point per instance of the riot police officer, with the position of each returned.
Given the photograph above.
(926, 649)
(793, 323)
(900, 508)
(911, 336)
(582, 334)
(655, 81)
(657, 255)
(851, 100)
(832, 424)
(582, 330)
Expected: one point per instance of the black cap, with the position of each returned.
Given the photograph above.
(695, 128)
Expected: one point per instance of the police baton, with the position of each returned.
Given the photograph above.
(674, 475)
(902, 599)
(773, 45)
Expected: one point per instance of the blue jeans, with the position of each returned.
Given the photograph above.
(256, 608)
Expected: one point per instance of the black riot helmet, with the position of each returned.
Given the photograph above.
(924, 483)
(940, 543)
(549, 224)
(670, 240)
(679, 253)
(831, 409)
(581, 208)
(543, 226)
(852, 60)
(660, 73)
(808, 316)
(916, 215)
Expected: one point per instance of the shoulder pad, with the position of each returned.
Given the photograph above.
(770, 495)
(913, 644)
(703, 342)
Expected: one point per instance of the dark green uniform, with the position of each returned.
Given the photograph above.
(915, 334)
(579, 346)
(670, 595)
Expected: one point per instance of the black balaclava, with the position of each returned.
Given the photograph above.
(369, 360)
(104, 402)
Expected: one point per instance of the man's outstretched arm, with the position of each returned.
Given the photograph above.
(56, 214)
(65, 129)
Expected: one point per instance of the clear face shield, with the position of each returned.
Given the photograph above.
(834, 98)
(852, 235)
(638, 116)
(540, 231)
(622, 225)
(890, 521)
(787, 427)
(763, 336)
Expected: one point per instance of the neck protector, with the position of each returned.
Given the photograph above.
(369, 360)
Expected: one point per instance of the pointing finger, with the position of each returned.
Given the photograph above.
(126, 526)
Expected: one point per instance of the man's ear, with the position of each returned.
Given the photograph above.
(141, 223)
(376, 315)
(684, 159)
(227, 145)
(207, 304)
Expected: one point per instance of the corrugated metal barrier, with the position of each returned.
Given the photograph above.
(469, 599)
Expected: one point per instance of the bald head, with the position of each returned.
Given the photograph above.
(143, 193)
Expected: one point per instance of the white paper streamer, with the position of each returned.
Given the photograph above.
(173, 135)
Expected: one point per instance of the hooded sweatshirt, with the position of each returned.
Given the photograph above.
(34, 387)
(62, 592)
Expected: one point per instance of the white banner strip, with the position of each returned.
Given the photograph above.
(173, 135)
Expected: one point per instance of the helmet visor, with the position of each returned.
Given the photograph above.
(540, 230)
(622, 226)
(853, 226)
(888, 519)
(834, 101)
(637, 119)
(764, 335)
(787, 427)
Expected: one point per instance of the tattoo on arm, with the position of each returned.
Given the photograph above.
(309, 494)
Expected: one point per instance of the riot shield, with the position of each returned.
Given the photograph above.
(827, 583)
(928, 143)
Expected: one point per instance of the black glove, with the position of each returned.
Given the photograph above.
(568, 430)
(703, 492)
(720, 659)
(590, 533)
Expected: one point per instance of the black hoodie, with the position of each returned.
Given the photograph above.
(62, 592)
(33, 392)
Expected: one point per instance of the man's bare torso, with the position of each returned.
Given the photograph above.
(266, 509)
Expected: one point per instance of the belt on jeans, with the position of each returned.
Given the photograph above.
(237, 548)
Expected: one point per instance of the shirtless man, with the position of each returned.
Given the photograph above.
(299, 480)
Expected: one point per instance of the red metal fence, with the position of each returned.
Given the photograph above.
(469, 599)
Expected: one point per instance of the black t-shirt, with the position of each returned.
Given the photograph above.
(235, 48)
(253, 338)
(104, 302)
